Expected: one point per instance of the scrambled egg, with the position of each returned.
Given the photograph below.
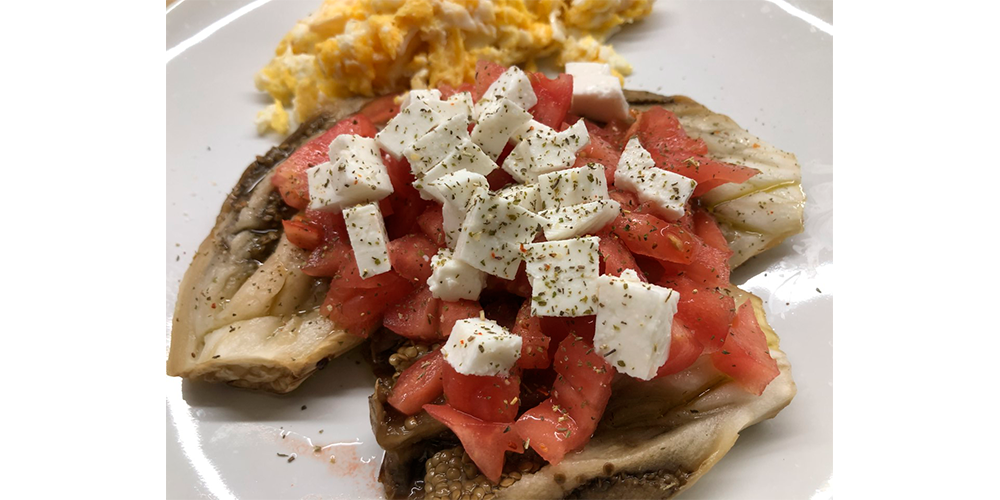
(373, 47)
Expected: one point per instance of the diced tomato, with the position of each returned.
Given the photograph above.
(648, 235)
(448, 91)
(560, 328)
(598, 150)
(708, 173)
(616, 258)
(452, 312)
(534, 342)
(566, 421)
(707, 228)
(431, 222)
(710, 267)
(613, 133)
(382, 109)
(405, 199)
(485, 442)
(684, 350)
(554, 98)
(360, 310)
(494, 399)
(302, 234)
(419, 384)
(745, 355)
(660, 130)
(328, 259)
(499, 178)
(487, 72)
(290, 176)
(707, 312)
(416, 317)
(411, 257)
(627, 199)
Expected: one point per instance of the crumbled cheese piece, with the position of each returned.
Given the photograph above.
(437, 144)
(494, 234)
(563, 276)
(467, 156)
(481, 347)
(523, 195)
(421, 112)
(496, 124)
(572, 186)
(514, 85)
(453, 279)
(355, 175)
(543, 150)
(597, 94)
(458, 192)
(578, 220)
(667, 191)
(366, 230)
(634, 321)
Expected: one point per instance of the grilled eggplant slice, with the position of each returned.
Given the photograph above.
(245, 313)
(247, 316)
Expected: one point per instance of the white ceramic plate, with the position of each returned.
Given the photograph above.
(767, 64)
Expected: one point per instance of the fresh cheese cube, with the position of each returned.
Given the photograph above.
(578, 220)
(543, 150)
(563, 276)
(467, 156)
(458, 192)
(437, 144)
(426, 96)
(633, 323)
(572, 186)
(514, 85)
(366, 230)
(596, 93)
(493, 235)
(356, 175)
(481, 347)
(523, 195)
(459, 104)
(420, 114)
(453, 279)
(496, 124)
(667, 191)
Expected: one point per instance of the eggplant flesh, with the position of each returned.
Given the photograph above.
(246, 314)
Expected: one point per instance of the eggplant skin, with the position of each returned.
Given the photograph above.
(245, 313)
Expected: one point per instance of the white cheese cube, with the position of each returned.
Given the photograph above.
(467, 156)
(633, 326)
(563, 276)
(578, 220)
(453, 279)
(481, 347)
(459, 104)
(458, 192)
(426, 96)
(366, 230)
(572, 186)
(523, 195)
(514, 85)
(667, 191)
(596, 93)
(357, 175)
(543, 150)
(493, 234)
(420, 114)
(496, 124)
(437, 144)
